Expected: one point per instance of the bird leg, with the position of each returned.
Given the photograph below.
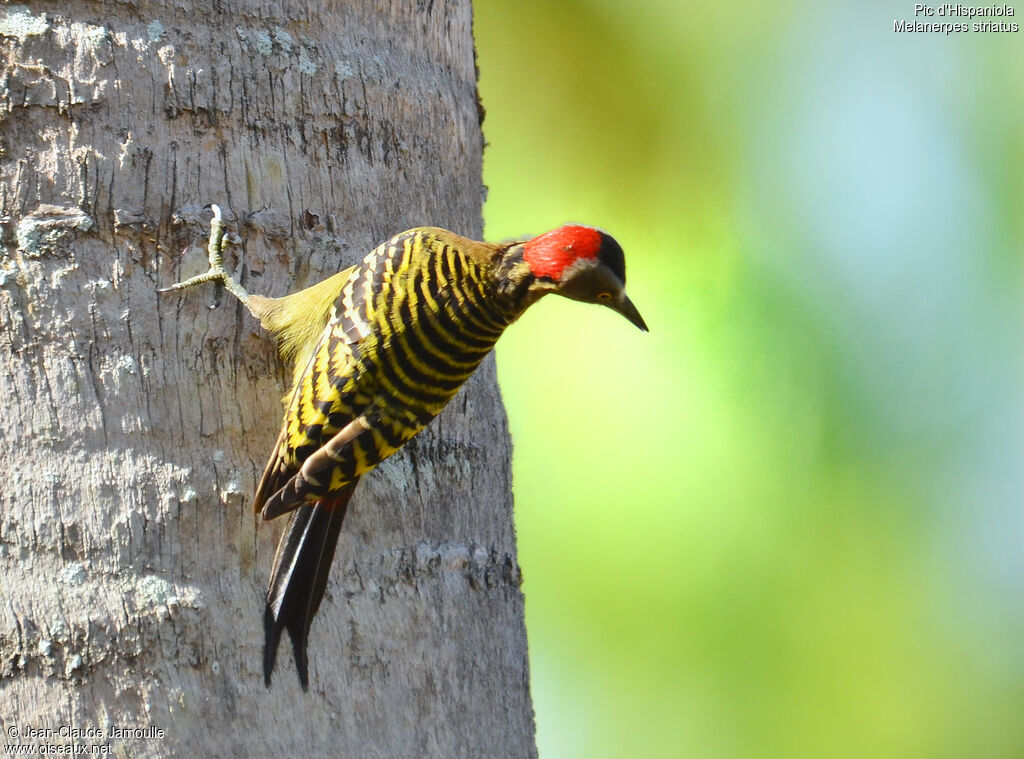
(216, 273)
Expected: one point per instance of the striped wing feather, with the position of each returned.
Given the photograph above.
(315, 409)
(315, 388)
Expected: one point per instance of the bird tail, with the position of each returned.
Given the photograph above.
(299, 578)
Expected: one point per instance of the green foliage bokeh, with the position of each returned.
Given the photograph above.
(789, 521)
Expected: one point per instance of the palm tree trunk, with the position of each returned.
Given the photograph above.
(135, 425)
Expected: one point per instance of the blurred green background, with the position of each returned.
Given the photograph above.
(789, 521)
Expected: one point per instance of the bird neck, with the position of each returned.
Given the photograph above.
(516, 286)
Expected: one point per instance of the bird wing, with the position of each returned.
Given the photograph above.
(313, 415)
(324, 406)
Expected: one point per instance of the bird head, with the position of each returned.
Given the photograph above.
(582, 263)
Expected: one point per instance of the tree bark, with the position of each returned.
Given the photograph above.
(135, 425)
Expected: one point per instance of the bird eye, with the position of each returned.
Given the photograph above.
(604, 296)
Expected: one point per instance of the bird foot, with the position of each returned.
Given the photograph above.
(216, 272)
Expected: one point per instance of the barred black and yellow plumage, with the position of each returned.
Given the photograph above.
(406, 330)
(379, 350)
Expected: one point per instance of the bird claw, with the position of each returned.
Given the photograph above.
(218, 295)
(216, 272)
(212, 275)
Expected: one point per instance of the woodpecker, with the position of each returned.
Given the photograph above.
(378, 350)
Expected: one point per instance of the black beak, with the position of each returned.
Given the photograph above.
(625, 307)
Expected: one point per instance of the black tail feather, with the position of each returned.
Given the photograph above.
(299, 579)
